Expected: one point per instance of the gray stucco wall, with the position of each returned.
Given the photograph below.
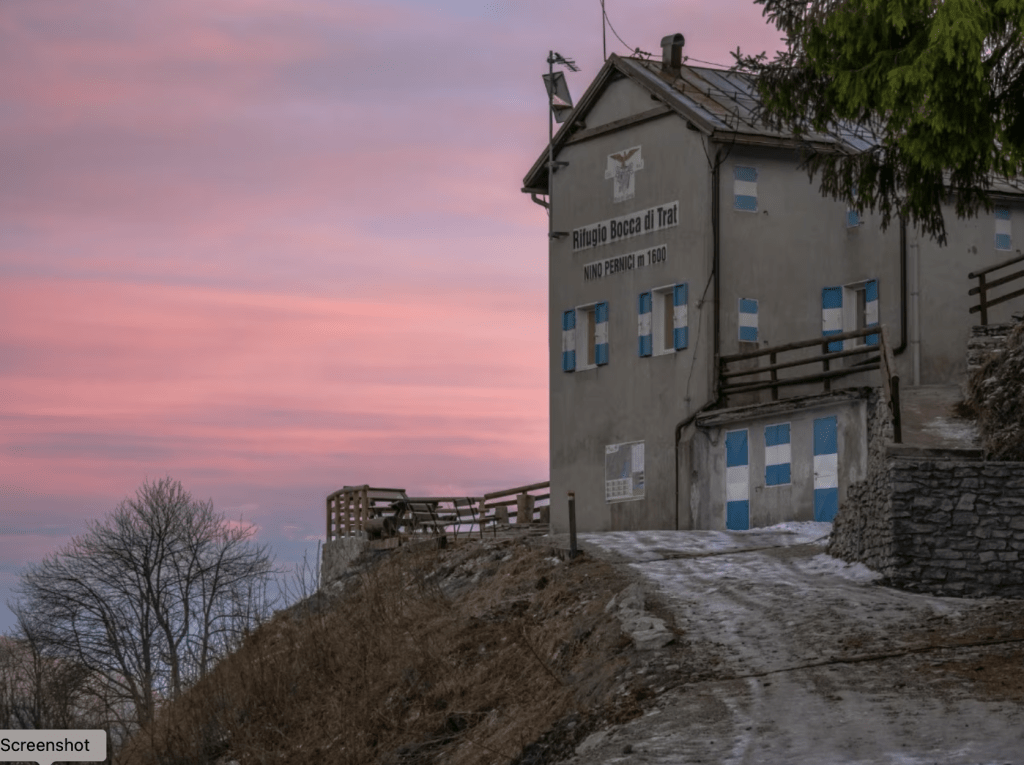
(945, 319)
(774, 504)
(630, 398)
(782, 255)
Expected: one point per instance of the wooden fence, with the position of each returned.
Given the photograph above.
(390, 514)
(985, 301)
(876, 356)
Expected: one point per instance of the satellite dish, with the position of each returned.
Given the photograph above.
(558, 95)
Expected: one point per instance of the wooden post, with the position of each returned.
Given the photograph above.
(824, 365)
(775, 377)
(897, 427)
(364, 511)
(572, 525)
(524, 508)
(984, 299)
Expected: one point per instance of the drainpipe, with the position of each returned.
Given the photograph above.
(679, 432)
(903, 288)
(715, 222)
(715, 183)
(915, 299)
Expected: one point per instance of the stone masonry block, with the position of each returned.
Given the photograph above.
(965, 503)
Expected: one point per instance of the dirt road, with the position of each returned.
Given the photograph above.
(793, 657)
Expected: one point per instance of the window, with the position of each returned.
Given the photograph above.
(748, 320)
(848, 308)
(1003, 240)
(777, 455)
(744, 186)
(853, 214)
(663, 321)
(585, 337)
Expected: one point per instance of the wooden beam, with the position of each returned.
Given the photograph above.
(799, 362)
(635, 119)
(819, 377)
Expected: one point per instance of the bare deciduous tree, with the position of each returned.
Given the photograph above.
(149, 598)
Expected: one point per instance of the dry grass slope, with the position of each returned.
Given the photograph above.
(487, 652)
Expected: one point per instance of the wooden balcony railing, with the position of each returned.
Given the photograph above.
(876, 356)
(986, 301)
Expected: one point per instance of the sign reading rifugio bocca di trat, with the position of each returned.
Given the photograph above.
(625, 226)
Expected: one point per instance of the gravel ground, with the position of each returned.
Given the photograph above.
(794, 657)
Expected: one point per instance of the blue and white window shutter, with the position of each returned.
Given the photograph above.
(1003, 238)
(832, 315)
(745, 188)
(681, 330)
(826, 469)
(645, 344)
(748, 320)
(871, 309)
(737, 481)
(601, 334)
(777, 455)
(569, 340)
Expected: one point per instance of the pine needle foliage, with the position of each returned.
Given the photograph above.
(936, 86)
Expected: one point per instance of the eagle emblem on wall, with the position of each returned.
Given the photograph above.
(621, 169)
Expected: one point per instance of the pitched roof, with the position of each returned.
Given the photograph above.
(717, 102)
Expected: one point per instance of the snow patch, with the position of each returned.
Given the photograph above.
(826, 564)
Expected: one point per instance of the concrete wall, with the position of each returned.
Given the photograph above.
(944, 303)
(774, 504)
(630, 398)
(782, 255)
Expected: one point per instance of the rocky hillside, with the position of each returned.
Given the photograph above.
(493, 651)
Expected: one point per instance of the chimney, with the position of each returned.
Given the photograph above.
(672, 53)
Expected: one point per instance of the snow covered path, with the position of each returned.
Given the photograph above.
(799, 658)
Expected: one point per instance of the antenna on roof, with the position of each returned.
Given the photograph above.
(604, 32)
(559, 108)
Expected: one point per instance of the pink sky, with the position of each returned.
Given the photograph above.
(270, 248)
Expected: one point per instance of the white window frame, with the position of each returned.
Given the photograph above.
(586, 341)
(661, 313)
(855, 311)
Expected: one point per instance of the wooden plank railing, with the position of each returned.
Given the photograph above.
(824, 357)
(391, 512)
(982, 290)
(891, 386)
(876, 356)
(520, 506)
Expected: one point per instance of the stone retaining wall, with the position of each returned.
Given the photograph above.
(984, 342)
(941, 521)
(863, 530)
(337, 555)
